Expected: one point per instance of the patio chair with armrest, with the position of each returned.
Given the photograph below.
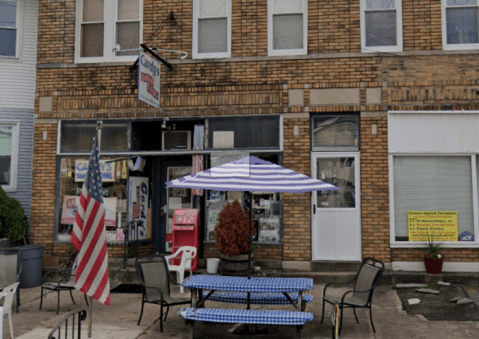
(361, 295)
(10, 270)
(187, 254)
(7, 294)
(155, 279)
(66, 282)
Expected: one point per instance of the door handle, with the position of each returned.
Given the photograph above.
(314, 209)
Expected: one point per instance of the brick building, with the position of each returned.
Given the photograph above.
(378, 97)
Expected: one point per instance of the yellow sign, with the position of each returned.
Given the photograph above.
(438, 225)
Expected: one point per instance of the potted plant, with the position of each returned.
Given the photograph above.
(231, 232)
(433, 260)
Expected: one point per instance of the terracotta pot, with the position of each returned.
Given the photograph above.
(433, 266)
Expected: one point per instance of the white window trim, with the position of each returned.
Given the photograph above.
(19, 28)
(109, 41)
(399, 32)
(15, 124)
(299, 51)
(196, 14)
(445, 45)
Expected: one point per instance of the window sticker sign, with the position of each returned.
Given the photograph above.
(148, 80)
(438, 225)
(107, 170)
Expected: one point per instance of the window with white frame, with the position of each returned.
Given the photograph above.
(8, 154)
(460, 24)
(9, 24)
(108, 30)
(211, 28)
(287, 27)
(381, 25)
(433, 171)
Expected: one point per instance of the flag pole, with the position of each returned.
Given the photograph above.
(90, 299)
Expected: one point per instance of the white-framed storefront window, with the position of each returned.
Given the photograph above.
(433, 166)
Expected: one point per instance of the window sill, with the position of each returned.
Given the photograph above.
(448, 244)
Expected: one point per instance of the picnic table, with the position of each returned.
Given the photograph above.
(276, 290)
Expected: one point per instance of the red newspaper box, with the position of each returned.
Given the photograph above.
(185, 233)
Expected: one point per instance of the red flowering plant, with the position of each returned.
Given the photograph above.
(232, 230)
(432, 248)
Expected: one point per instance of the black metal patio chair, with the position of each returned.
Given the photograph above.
(155, 278)
(361, 295)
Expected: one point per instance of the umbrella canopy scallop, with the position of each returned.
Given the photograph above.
(251, 174)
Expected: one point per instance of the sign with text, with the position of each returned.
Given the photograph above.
(148, 80)
(438, 225)
(138, 191)
(107, 170)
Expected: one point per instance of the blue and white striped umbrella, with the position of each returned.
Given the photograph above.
(251, 174)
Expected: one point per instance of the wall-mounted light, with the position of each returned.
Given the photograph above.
(165, 119)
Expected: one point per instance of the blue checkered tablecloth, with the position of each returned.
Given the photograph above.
(270, 317)
(253, 285)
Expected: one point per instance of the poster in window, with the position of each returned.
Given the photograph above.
(138, 191)
(70, 208)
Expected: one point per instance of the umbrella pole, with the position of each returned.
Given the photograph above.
(250, 235)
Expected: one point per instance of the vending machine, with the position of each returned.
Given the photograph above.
(185, 232)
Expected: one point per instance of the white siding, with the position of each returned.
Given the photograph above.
(433, 132)
(18, 75)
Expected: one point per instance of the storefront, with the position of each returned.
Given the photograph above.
(139, 156)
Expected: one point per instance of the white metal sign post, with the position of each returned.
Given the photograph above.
(148, 80)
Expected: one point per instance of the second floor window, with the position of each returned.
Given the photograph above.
(8, 28)
(108, 30)
(460, 28)
(211, 28)
(381, 25)
(287, 27)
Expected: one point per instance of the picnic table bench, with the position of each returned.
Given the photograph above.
(250, 317)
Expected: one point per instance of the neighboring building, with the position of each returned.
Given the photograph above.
(18, 58)
(378, 97)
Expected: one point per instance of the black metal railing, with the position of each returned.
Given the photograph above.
(131, 237)
(69, 326)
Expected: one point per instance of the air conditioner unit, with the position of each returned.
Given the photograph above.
(176, 140)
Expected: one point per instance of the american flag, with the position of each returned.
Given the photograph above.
(88, 235)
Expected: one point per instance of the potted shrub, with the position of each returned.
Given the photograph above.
(13, 222)
(14, 226)
(231, 232)
(433, 260)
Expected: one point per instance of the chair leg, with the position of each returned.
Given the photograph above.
(354, 310)
(161, 318)
(141, 312)
(18, 300)
(71, 295)
(340, 319)
(180, 278)
(41, 299)
(11, 324)
(58, 302)
(167, 310)
(371, 318)
(322, 313)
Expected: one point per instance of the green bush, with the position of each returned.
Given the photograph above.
(13, 221)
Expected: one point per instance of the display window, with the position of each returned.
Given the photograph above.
(126, 196)
(267, 209)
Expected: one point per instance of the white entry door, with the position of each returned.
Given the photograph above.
(336, 221)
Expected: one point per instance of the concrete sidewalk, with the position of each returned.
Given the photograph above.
(119, 320)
